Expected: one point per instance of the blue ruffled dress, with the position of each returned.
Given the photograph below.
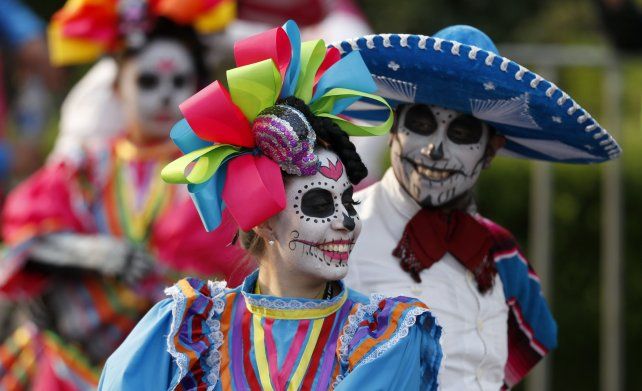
(207, 337)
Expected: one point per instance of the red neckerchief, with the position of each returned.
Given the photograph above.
(431, 233)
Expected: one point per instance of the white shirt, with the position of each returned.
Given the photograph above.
(475, 330)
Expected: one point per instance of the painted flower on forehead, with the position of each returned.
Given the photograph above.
(237, 143)
(84, 30)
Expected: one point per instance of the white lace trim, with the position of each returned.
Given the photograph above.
(349, 330)
(213, 359)
(353, 324)
(407, 323)
(178, 308)
(291, 303)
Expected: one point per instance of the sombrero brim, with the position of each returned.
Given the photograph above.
(539, 120)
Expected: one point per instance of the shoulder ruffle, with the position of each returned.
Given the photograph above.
(377, 327)
(195, 335)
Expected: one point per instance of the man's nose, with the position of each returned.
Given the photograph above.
(434, 151)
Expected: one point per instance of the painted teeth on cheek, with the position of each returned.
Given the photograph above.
(320, 253)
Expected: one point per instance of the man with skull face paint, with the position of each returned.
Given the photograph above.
(94, 243)
(458, 103)
(284, 168)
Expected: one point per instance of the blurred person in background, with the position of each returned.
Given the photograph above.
(94, 98)
(279, 157)
(458, 103)
(25, 56)
(92, 241)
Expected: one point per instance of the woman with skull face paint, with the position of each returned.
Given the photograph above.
(92, 245)
(278, 157)
(458, 103)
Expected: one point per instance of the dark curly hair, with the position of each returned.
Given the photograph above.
(333, 138)
(164, 28)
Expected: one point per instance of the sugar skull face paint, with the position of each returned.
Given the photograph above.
(153, 84)
(437, 154)
(317, 230)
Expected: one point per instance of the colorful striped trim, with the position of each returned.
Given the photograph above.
(377, 327)
(195, 330)
(245, 372)
(135, 223)
(358, 314)
(280, 377)
(226, 329)
(18, 358)
(297, 314)
(78, 366)
(289, 308)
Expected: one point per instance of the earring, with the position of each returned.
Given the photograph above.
(271, 242)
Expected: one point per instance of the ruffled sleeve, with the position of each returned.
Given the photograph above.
(195, 336)
(143, 359)
(175, 345)
(390, 344)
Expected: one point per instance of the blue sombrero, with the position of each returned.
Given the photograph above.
(459, 68)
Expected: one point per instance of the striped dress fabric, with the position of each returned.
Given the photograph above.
(118, 192)
(233, 339)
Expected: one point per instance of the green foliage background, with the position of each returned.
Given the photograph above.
(503, 192)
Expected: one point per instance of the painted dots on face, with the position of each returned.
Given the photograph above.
(320, 223)
(317, 202)
(437, 153)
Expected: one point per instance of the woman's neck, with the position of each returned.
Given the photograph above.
(139, 138)
(276, 281)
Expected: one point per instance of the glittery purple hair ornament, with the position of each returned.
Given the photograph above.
(283, 134)
(237, 144)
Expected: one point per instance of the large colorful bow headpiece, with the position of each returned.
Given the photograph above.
(236, 143)
(83, 30)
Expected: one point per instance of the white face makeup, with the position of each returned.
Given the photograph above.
(153, 84)
(437, 154)
(317, 230)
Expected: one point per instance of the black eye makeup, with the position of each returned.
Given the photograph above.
(317, 203)
(420, 120)
(465, 129)
(148, 81)
(348, 202)
(180, 81)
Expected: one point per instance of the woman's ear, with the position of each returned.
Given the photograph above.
(495, 143)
